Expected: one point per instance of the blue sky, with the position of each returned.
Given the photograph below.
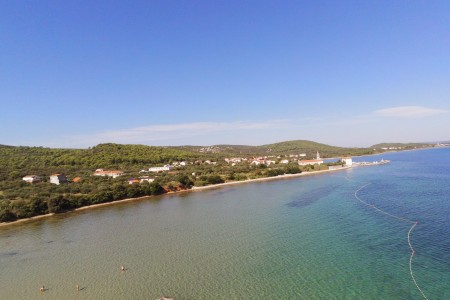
(345, 73)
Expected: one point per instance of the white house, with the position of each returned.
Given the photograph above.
(310, 162)
(233, 160)
(347, 161)
(146, 178)
(160, 169)
(113, 174)
(284, 161)
(31, 178)
(58, 179)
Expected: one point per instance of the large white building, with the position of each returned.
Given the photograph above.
(160, 169)
(113, 174)
(310, 162)
(347, 161)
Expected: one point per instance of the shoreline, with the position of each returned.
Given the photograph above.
(193, 189)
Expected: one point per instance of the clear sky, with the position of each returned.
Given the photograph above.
(345, 73)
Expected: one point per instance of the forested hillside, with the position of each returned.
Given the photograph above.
(16, 162)
(282, 148)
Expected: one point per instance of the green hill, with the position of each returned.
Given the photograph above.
(311, 148)
(401, 146)
(283, 148)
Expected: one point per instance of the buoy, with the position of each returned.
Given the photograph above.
(413, 252)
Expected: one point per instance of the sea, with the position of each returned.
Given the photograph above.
(374, 232)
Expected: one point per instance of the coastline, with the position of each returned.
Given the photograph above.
(193, 189)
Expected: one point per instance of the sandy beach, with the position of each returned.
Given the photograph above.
(194, 189)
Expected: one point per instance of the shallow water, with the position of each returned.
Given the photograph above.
(301, 238)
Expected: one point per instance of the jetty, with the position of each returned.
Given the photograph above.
(374, 163)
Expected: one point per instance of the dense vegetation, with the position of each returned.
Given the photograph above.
(283, 148)
(405, 146)
(19, 199)
(15, 162)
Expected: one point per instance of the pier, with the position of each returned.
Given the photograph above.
(374, 163)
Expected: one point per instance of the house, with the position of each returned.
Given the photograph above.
(179, 164)
(347, 161)
(262, 161)
(257, 161)
(306, 162)
(146, 178)
(58, 179)
(284, 161)
(113, 174)
(31, 178)
(233, 160)
(76, 179)
(132, 180)
(161, 169)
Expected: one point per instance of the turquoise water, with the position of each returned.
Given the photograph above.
(303, 238)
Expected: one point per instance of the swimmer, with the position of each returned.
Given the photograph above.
(122, 268)
(42, 289)
(78, 287)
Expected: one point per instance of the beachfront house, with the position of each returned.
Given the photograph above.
(347, 161)
(58, 179)
(31, 178)
(111, 173)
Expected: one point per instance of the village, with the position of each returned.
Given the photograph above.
(262, 161)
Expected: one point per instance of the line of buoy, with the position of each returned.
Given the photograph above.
(410, 261)
(414, 223)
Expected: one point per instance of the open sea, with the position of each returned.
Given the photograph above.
(340, 235)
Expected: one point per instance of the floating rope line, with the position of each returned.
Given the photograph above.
(414, 223)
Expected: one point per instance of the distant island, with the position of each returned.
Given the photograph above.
(37, 181)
